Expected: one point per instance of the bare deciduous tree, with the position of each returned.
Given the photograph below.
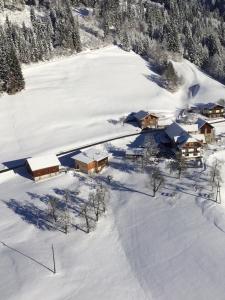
(85, 215)
(150, 153)
(53, 205)
(156, 180)
(215, 172)
(179, 164)
(98, 200)
(216, 178)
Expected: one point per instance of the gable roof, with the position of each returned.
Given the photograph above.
(141, 115)
(199, 137)
(180, 136)
(200, 122)
(90, 155)
(210, 105)
(189, 127)
(43, 162)
(175, 131)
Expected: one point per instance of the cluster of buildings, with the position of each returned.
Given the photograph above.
(90, 161)
(185, 139)
(188, 140)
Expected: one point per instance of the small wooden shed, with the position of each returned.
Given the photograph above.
(43, 166)
(146, 119)
(91, 161)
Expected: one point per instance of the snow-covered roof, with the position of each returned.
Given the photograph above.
(198, 137)
(141, 115)
(42, 162)
(2, 167)
(180, 136)
(201, 122)
(174, 131)
(177, 131)
(90, 155)
(209, 105)
(189, 127)
(135, 151)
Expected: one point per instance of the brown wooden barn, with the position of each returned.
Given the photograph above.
(91, 161)
(207, 129)
(43, 167)
(146, 119)
(212, 110)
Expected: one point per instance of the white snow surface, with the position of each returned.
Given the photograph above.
(168, 247)
(81, 99)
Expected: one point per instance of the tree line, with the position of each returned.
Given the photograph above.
(157, 30)
(57, 30)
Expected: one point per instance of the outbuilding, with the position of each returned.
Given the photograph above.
(43, 166)
(91, 161)
(145, 119)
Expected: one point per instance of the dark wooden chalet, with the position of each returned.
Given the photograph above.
(212, 110)
(43, 167)
(207, 129)
(145, 119)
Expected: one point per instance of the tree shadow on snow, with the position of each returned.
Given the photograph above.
(31, 214)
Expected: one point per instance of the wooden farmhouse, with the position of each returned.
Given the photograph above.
(212, 110)
(43, 167)
(207, 129)
(91, 161)
(188, 145)
(146, 120)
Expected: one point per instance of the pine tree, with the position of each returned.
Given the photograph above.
(15, 81)
(172, 80)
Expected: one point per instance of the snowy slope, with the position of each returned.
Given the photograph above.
(76, 100)
(144, 248)
(210, 90)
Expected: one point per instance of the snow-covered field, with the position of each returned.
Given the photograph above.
(76, 100)
(168, 247)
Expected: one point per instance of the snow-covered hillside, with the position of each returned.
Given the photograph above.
(144, 248)
(167, 247)
(76, 100)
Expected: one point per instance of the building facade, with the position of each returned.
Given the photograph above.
(187, 144)
(146, 120)
(43, 167)
(213, 110)
(91, 161)
(207, 129)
